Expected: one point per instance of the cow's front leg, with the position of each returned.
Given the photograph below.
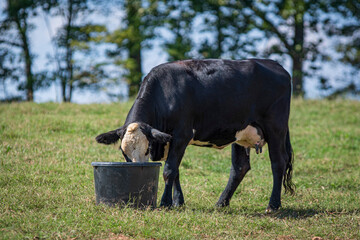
(171, 173)
(178, 197)
(240, 166)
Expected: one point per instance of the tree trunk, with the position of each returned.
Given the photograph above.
(134, 47)
(298, 54)
(220, 36)
(63, 88)
(297, 76)
(136, 71)
(22, 28)
(68, 76)
(29, 75)
(71, 88)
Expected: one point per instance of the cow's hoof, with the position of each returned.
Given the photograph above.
(178, 200)
(165, 205)
(178, 203)
(270, 210)
(222, 204)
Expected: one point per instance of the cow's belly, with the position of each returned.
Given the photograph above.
(248, 138)
(205, 144)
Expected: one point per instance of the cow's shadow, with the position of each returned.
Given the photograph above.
(303, 213)
(282, 213)
(295, 213)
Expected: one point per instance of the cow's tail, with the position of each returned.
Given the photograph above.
(287, 182)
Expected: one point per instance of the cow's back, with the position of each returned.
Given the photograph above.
(211, 94)
(221, 85)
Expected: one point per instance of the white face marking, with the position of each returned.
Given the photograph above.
(135, 144)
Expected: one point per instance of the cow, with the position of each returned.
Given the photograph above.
(211, 103)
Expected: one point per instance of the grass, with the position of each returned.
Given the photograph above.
(47, 188)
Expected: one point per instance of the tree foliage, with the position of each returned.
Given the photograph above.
(75, 38)
(294, 26)
(134, 35)
(348, 45)
(229, 22)
(280, 29)
(179, 21)
(15, 29)
(9, 71)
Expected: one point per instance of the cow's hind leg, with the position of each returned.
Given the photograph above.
(240, 166)
(278, 156)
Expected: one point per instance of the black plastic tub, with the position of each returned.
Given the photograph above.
(126, 183)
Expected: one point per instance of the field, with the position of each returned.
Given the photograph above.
(47, 188)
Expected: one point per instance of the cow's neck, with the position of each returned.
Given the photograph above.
(142, 111)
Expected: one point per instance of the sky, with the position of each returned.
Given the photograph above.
(41, 45)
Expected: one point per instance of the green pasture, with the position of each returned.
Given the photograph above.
(47, 183)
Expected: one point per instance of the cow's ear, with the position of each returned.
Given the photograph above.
(154, 135)
(112, 136)
(121, 131)
(160, 136)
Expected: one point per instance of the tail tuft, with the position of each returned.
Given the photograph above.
(287, 182)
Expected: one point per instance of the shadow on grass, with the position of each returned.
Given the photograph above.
(283, 213)
(297, 213)
(302, 213)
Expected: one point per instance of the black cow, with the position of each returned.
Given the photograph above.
(211, 103)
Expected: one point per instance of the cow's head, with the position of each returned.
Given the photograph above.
(136, 140)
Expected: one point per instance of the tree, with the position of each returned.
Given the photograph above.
(229, 21)
(141, 19)
(8, 71)
(179, 20)
(348, 47)
(288, 22)
(15, 29)
(72, 38)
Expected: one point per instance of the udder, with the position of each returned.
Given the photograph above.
(251, 137)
